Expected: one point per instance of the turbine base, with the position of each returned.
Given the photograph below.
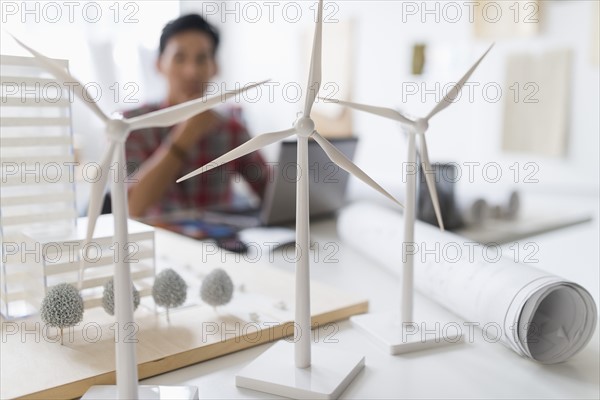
(274, 372)
(145, 392)
(399, 338)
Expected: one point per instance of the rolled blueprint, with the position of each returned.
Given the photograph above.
(541, 316)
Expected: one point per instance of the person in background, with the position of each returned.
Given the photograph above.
(156, 157)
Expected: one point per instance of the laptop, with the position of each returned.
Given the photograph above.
(327, 188)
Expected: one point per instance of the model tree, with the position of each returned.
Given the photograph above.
(62, 307)
(108, 297)
(169, 290)
(217, 288)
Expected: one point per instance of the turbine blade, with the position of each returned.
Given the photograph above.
(380, 111)
(63, 76)
(173, 115)
(314, 77)
(430, 179)
(344, 163)
(454, 92)
(251, 145)
(96, 199)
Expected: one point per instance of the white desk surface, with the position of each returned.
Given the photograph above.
(474, 369)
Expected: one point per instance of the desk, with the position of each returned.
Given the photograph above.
(474, 369)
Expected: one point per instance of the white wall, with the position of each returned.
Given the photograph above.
(382, 51)
(464, 132)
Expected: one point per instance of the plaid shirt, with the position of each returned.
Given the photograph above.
(210, 188)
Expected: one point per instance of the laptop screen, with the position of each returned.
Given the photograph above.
(327, 182)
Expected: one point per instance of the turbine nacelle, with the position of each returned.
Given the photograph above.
(421, 125)
(304, 126)
(117, 129)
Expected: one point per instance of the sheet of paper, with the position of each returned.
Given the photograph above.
(536, 106)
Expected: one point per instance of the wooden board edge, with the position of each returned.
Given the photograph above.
(184, 359)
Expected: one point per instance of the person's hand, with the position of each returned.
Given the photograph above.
(189, 132)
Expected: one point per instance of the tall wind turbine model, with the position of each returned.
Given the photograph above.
(393, 340)
(117, 131)
(273, 372)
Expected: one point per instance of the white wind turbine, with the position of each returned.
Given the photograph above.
(117, 131)
(417, 129)
(271, 372)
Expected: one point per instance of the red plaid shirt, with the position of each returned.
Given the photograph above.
(210, 188)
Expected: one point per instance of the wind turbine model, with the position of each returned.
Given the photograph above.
(273, 372)
(396, 338)
(117, 131)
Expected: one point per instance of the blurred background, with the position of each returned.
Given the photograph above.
(531, 107)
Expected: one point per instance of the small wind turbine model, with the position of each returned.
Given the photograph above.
(273, 372)
(117, 131)
(399, 342)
